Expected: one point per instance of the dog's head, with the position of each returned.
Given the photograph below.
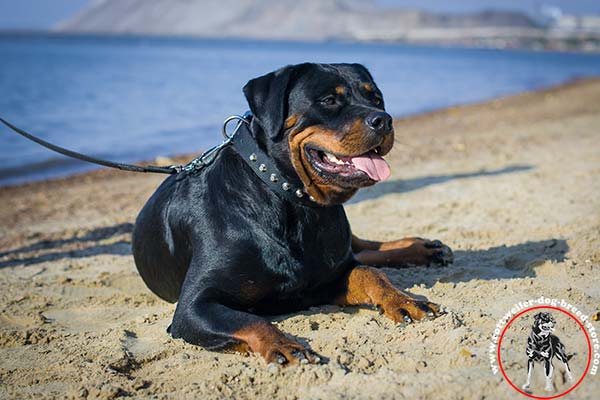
(325, 123)
(543, 323)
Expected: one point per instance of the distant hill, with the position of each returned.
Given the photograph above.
(290, 20)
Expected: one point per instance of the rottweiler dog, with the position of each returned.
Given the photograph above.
(543, 346)
(230, 250)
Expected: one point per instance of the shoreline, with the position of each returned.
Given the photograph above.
(465, 45)
(510, 184)
(184, 158)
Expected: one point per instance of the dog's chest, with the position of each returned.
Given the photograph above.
(312, 253)
(541, 344)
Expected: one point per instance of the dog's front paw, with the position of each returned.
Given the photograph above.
(401, 310)
(525, 386)
(289, 352)
(529, 353)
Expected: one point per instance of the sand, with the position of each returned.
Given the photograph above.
(511, 185)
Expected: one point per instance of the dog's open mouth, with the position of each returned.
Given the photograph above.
(369, 167)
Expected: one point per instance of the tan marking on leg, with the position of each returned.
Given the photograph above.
(403, 252)
(367, 285)
(359, 244)
(268, 341)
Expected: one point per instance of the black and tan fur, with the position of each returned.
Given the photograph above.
(229, 250)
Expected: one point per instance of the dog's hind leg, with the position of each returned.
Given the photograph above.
(530, 365)
(568, 370)
(401, 253)
(561, 354)
(548, 369)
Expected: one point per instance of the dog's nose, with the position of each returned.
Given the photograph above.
(379, 122)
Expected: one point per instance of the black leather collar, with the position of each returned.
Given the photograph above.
(265, 168)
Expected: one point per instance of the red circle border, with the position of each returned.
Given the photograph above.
(589, 343)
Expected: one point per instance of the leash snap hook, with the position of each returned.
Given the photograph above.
(242, 119)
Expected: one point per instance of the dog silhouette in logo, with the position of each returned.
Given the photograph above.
(543, 346)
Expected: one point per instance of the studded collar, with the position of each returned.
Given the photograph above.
(265, 168)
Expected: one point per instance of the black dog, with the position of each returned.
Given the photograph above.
(228, 247)
(543, 346)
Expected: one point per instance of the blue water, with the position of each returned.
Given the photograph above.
(136, 98)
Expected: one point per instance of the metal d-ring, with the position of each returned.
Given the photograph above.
(241, 118)
(209, 155)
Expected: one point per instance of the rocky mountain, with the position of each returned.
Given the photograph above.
(287, 19)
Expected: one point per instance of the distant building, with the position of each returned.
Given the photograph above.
(557, 20)
(583, 24)
(590, 23)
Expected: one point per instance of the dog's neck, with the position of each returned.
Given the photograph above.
(265, 167)
(540, 333)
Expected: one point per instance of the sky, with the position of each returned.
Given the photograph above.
(43, 14)
(37, 14)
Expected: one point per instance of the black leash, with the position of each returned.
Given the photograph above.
(111, 164)
(241, 140)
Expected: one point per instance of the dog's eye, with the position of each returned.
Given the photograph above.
(378, 101)
(328, 100)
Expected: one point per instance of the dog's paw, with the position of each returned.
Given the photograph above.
(289, 352)
(525, 386)
(438, 253)
(529, 353)
(415, 252)
(549, 387)
(407, 310)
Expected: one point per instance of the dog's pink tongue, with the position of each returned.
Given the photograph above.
(373, 164)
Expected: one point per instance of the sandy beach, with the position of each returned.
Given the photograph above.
(511, 185)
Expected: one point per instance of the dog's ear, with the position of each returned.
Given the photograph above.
(364, 70)
(537, 316)
(267, 97)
